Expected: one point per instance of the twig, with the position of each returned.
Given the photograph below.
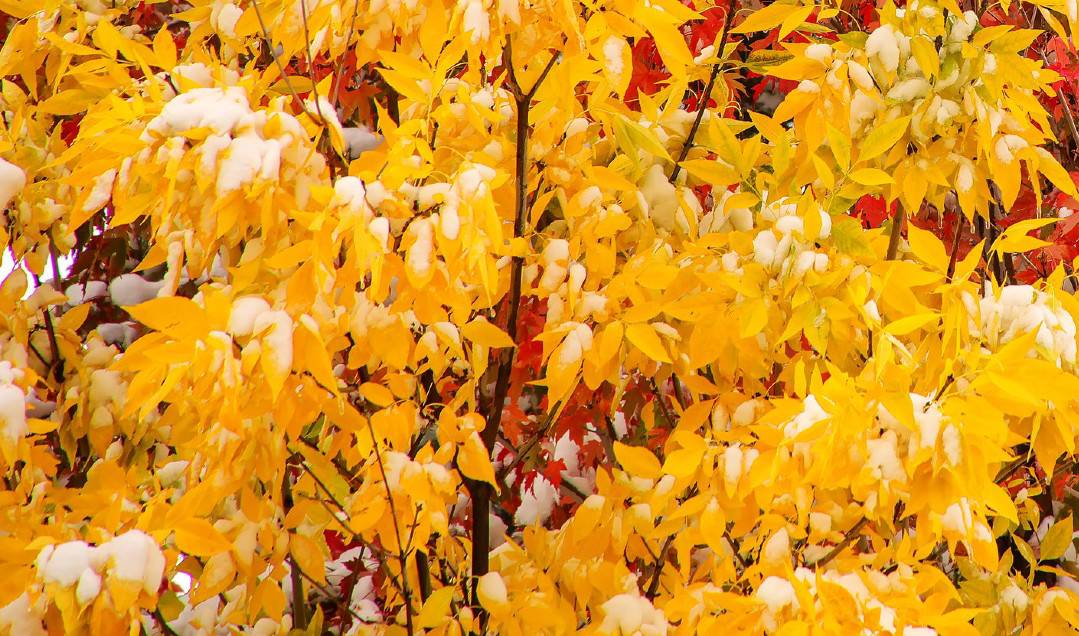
(896, 232)
(281, 67)
(703, 105)
(396, 531)
(653, 585)
(955, 247)
(848, 538)
(348, 40)
(299, 599)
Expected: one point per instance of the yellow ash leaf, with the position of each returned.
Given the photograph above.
(174, 315)
(474, 462)
(1057, 539)
(683, 462)
(198, 537)
(871, 177)
(308, 556)
(645, 338)
(927, 247)
(639, 462)
(1015, 239)
(882, 138)
(483, 332)
(217, 574)
(376, 394)
(436, 609)
(768, 18)
(909, 324)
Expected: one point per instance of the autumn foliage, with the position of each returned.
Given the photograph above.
(628, 317)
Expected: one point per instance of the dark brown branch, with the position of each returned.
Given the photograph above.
(703, 105)
(481, 492)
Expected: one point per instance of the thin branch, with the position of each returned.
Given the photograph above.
(896, 232)
(703, 105)
(348, 40)
(281, 67)
(328, 593)
(653, 585)
(396, 531)
(848, 538)
(299, 599)
(955, 247)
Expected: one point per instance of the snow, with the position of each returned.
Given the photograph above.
(964, 178)
(19, 617)
(820, 52)
(776, 593)
(476, 21)
(12, 413)
(118, 333)
(576, 343)
(555, 264)
(421, 253)
(136, 557)
(101, 191)
(12, 180)
(360, 139)
(131, 289)
(661, 203)
(223, 18)
(909, 89)
(957, 517)
(613, 48)
(919, 631)
(247, 156)
(537, 502)
(777, 548)
(80, 293)
(219, 109)
(245, 310)
(275, 328)
(883, 461)
(1022, 309)
(883, 45)
(952, 444)
(64, 564)
(810, 415)
(626, 614)
(492, 590)
(862, 109)
(89, 587)
(861, 77)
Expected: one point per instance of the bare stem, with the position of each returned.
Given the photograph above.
(703, 105)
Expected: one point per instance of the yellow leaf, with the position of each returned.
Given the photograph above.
(906, 325)
(794, 20)
(482, 332)
(1057, 540)
(928, 248)
(174, 315)
(882, 138)
(376, 394)
(871, 177)
(767, 18)
(683, 462)
(197, 537)
(217, 574)
(645, 338)
(474, 462)
(633, 136)
(308, 555)
(75, 316)
(926, 55)
(165, 49)
(639, 462)
(436, 608)
(1015, 239)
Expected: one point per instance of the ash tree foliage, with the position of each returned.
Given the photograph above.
(620, 317)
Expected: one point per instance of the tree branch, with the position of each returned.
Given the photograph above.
(703, 105)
